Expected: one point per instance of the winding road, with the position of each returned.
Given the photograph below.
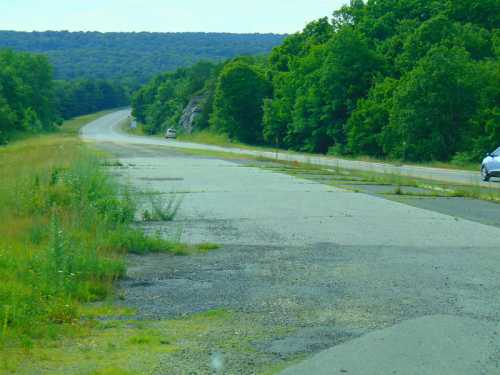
(357, 284)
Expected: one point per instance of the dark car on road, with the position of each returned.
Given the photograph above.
(491, 165)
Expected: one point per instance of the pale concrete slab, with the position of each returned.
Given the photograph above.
(433, 345)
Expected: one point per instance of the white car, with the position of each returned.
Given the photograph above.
(491, 165)
(171, 134)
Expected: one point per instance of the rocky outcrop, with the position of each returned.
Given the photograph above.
(192, 110)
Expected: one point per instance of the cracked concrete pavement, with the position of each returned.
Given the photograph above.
(382, 287)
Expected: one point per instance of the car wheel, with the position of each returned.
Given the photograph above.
(484, 174)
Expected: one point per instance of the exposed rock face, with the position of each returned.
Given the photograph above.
(190, 113)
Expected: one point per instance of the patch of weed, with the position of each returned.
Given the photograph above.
(206, 247)
(133, 240)
(162, 208)
(112, 371)
(112, 163)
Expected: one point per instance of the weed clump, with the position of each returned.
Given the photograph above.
(161, 208)
(207, 246)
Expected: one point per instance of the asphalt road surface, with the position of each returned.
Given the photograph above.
(361, 284)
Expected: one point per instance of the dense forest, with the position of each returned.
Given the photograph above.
(27, 100)
(159, 104)
(134, 57)
(31, 101)
(410, 79)
(83, 96)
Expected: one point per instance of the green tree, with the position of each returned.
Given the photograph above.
(347, 75)
(368, 121)
(443, 31)
(238, 102)
(432, 107)
(159, 104)
(485, 13)
(27, 100)
(412, 79)
(485, 124)
(7, 119)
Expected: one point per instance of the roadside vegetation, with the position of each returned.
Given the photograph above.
(66, 225)
(415, 81)
(31, 102)
(26, 95)
(82, 96)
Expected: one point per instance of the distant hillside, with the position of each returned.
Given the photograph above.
(138, 55)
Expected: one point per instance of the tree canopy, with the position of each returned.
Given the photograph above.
(79, 97)
(240, 91)
(31, 101)
(27, 101)
(408, 79)
(159, 104)
(136, 57)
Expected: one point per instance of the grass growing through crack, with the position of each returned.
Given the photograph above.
(349, 179)
(434, 188)
(65, 227)
(207, 246)
(356, 181)
(161, 208)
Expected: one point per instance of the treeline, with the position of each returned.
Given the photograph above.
(412, 79)
(160, 103)
(80, 97)
(27, 101)
(31, 101)
(134, 56)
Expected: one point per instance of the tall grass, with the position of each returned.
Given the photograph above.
(161, 208)
(65, 225)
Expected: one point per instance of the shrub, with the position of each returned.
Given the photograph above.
(162, 209)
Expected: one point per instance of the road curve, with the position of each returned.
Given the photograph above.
(108, 128)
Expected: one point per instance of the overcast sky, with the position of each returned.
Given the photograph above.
(279, 16)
